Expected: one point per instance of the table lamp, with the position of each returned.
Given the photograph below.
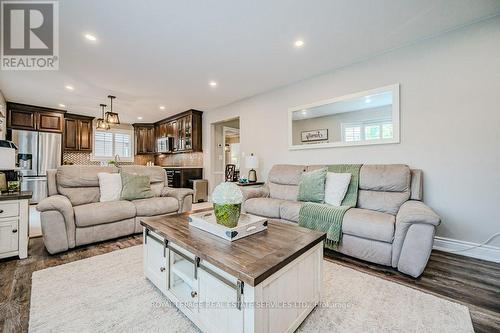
(252, 162)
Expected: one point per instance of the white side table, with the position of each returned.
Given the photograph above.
(14, 220)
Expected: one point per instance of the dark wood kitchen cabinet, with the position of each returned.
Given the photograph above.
(144, 138)
(78, 133)
(185, 128)
(34, 118)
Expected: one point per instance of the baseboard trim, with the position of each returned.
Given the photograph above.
(485, 252)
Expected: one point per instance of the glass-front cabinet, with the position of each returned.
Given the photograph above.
(185, 128)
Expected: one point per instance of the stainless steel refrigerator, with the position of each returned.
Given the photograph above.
(37, 152)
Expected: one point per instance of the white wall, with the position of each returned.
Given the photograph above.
(450, 123)
(3, 111)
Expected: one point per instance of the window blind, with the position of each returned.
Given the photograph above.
(103, 144)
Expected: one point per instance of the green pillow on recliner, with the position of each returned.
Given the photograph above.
(312, 186)
(135, 187)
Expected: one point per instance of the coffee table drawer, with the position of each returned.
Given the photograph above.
(9, 209)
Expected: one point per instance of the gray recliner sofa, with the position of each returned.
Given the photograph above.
(390, 224)
(72, 215)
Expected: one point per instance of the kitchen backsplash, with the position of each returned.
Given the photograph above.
(80, 158)
(185, 159)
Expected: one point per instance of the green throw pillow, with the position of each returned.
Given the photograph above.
(312, 186)
(135, 187)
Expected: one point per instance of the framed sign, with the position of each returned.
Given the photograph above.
(315, 135)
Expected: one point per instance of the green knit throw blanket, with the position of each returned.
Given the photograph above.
(327, 218)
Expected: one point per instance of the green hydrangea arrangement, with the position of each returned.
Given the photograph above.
(227, 199)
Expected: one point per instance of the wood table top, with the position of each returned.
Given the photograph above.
(251, 259)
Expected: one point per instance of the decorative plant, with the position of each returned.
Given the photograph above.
(227, 199)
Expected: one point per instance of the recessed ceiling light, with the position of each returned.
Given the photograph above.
(304, 111)
(299, 43)
(139, 118)
(62, 105)
(69, 87)
(368, 100)
(162, 107)
(90, 37)
(212, 83)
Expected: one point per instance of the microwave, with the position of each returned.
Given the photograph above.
(165, 145)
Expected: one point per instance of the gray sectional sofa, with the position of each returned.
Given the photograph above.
(390, 225)
(72, 215)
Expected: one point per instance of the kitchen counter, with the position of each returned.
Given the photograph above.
(16, 195)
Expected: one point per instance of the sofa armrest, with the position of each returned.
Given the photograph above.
(412, 212)
(62, 205)
(59, 203)
(183, 195)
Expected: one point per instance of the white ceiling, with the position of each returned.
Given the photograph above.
(155, 52)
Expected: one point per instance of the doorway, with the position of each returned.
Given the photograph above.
(225, 149)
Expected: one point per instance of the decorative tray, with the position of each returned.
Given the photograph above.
(247, 225)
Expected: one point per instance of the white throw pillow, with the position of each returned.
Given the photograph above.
(336, 187)
(110, 185)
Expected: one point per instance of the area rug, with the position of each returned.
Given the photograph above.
(109, 293)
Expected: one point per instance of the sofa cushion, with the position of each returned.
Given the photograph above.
(336, 187)
(110, 186)
(312, 186)
(80, 182)
(267, 207)
(385, 202)
(156, 206)
(289, 210)
(283, 192)
(135, 186)
(80, 195)
(286, 174)
(81, 175)
(369, 224)
(387, 177)
(384, 188)
(103, 212)
(157, 175)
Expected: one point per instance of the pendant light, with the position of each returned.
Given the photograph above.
(112, 117)
(101, 123)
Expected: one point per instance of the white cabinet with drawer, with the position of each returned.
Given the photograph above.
(9, 209)
(14, 219)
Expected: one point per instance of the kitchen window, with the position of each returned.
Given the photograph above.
(108, 144)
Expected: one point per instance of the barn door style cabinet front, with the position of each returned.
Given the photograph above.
(181, 276)
(218, 302)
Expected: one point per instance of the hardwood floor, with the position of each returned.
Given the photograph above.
(474, 283)
(15, 276)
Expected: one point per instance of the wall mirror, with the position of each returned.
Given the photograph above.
(364, 118)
